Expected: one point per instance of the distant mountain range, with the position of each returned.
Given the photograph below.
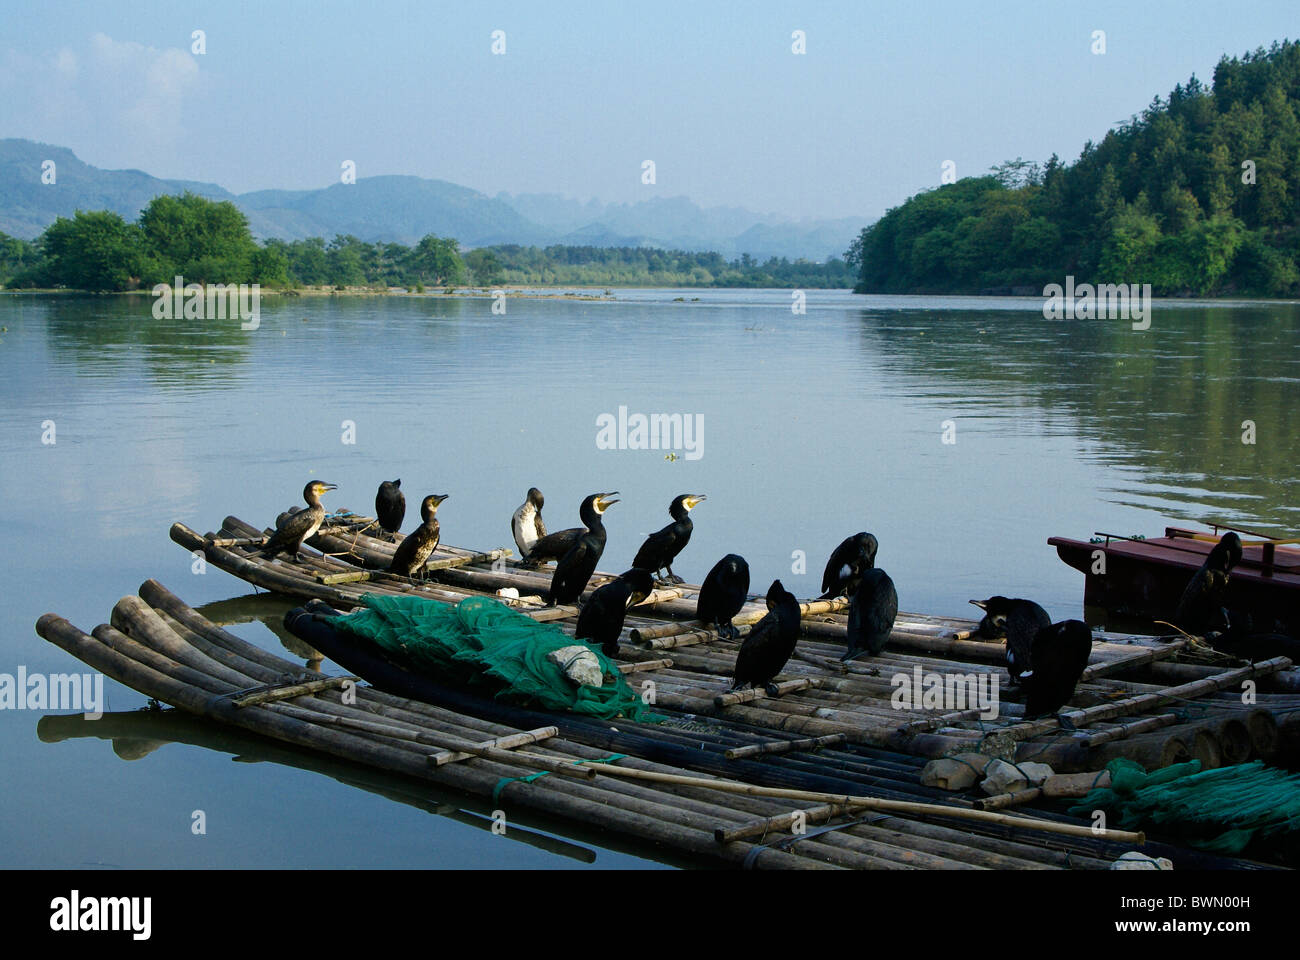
(404, 208)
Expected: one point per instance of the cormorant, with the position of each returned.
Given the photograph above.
(299, 526)
(723, 593)
(390, 506)
(526, 524)
(552, 546)
(576, 567)
(662, 546)
(416, 548)
(601, 620)
(846, 565)
(1019, 621)
(1060, 654)
(872, 612)
(771, 643)
(1201, 609)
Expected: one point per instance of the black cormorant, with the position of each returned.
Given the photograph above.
(872, 613)
(416, 548)
(662, 546)
(390, 506)
(1060, 654)
(552, 546)
(601, 620)
(526, 524)
(771, 643)
(1202, 608)
(576, 567)
(299, 526)
(723, 593)
(846, 565)
(1019, 621)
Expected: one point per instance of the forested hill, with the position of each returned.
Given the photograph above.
(1200, 194)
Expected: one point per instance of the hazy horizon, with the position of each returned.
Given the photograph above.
(581, 97)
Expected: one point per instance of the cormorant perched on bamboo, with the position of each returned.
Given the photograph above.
(1202, 608)
(662, 546)
(771, 643)
(723, 593)
(601, 620)
(1060, 653)
(416, 548)
(576, 567)
(1019, 621)
(299, 526)
(390, 506)
(526, 524)
(872, 613)
(846, 565)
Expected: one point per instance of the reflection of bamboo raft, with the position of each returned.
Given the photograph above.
(1141, 700)
(157, 728)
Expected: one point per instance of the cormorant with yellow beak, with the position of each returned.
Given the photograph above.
(299, 526)
(661, 547)
(576, 567)
(415, 549)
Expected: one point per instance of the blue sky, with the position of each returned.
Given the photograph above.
(586, 91)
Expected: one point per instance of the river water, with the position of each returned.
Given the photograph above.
(963, 432)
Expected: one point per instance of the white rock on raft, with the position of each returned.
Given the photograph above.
(579, 664)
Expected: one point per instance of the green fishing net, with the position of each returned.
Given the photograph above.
(1219, 810)
(482, 644)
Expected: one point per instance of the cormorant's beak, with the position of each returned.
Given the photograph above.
(605, 501)
(692, 500)
(980, 604)
(439, 497)
(327, 486)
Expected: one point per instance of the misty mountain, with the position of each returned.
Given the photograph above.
(402, 209)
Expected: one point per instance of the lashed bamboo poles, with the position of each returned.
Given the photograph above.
(1144, 701)
(147, 584)
(810, 796)
(142, 588)
(926, 747)
(273, 720)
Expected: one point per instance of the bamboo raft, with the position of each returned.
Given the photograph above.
(1153, 701)
(825, 805)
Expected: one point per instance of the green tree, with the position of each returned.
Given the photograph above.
(436, 260)
(199, 239)
(93, 251)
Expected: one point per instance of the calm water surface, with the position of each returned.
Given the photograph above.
(815, 426)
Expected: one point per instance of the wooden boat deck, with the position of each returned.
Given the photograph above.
(1152, 701)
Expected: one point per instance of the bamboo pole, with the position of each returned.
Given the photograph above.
(867, 803)
(501, 743)
(1133, 705)
(290, 691)
(644, 666)
(777, 824)
(785, 746)
(758, 693)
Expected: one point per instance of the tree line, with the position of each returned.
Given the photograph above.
(207, 241)
(1198, 195)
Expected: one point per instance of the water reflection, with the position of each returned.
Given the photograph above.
(137, 734)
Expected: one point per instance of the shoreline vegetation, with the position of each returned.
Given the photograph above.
(206, 241)
(1197, 196)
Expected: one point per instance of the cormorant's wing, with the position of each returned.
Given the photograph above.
(657, 546)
